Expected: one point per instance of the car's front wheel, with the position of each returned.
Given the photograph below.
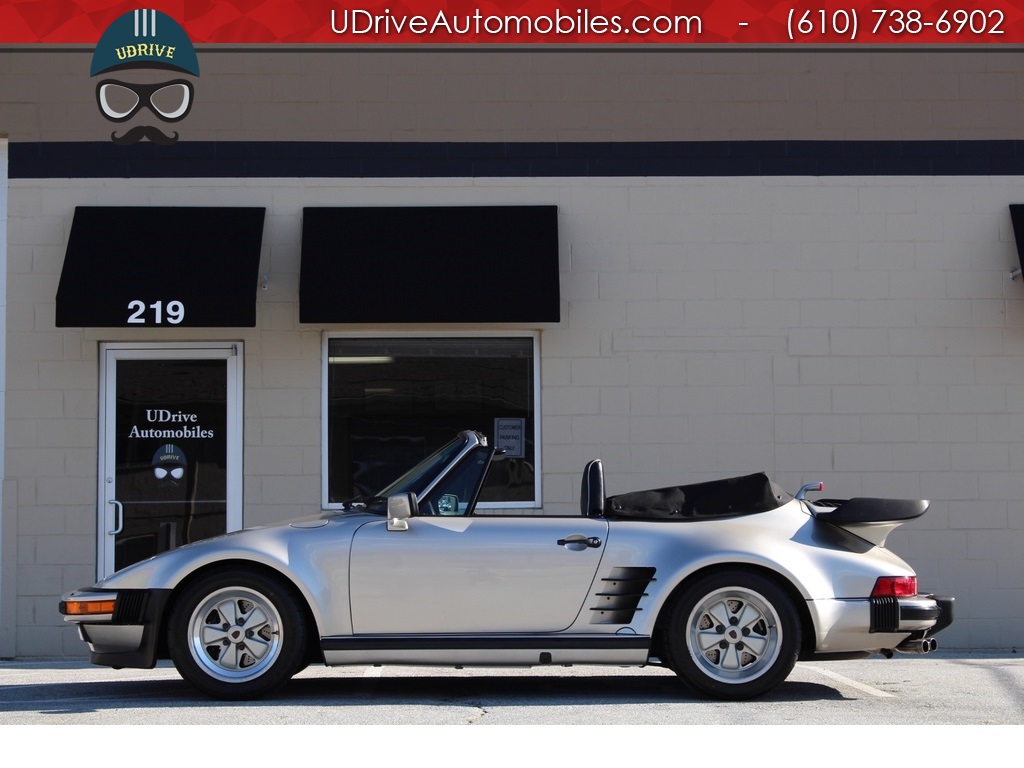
(237, 634)
(733, 635)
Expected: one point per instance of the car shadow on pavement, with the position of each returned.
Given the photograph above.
(62, 699)
(527, 690)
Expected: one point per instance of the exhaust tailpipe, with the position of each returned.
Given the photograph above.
(925, 645)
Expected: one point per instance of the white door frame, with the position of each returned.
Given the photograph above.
(8, 528)
(110, 353)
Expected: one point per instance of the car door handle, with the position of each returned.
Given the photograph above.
(579, 538)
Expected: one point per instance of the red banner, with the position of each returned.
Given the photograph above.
(535, 22)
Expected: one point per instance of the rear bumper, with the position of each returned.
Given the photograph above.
(924, 615)
(874, 625)
(127, 637)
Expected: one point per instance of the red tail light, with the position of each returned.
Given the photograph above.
(895, 586)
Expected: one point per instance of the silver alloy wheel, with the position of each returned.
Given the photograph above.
(235, 634)
(734, 635)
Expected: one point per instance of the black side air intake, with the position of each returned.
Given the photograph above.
(620, 594)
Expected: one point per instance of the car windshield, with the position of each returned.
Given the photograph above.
(420, 476)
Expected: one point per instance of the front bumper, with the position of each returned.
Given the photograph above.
(129, 636)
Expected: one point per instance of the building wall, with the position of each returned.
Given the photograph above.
(861, 330)
(864, 332)
(659, 94)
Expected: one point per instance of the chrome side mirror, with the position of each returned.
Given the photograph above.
(400, 509)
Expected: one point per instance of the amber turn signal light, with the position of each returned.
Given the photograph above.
(88, 607)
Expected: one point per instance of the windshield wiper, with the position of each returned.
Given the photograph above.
(362, 502)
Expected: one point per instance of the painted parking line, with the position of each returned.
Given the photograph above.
(844, 680)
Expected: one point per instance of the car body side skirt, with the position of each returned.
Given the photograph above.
(487, 650)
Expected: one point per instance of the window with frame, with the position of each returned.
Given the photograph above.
(391, 401)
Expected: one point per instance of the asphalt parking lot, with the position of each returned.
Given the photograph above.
(899, 710)
(945, 688)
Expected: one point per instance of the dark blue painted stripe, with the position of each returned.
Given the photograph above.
(84, 160)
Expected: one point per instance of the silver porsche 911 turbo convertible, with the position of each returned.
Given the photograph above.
(728, 583)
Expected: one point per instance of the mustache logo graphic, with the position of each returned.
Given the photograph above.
(140, 132)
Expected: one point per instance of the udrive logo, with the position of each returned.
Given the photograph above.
(139, 46)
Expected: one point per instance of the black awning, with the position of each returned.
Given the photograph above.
(475, 264)
(169, 267)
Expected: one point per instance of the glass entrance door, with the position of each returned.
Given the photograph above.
(170, 469)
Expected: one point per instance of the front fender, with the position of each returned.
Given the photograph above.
(313, 557)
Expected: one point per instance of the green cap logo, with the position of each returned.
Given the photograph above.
(144, 38)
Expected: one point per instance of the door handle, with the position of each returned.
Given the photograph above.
(578, 538)
(118, 517)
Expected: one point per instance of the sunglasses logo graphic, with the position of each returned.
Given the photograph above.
(143, 41)
(120, 101)
(161, 473)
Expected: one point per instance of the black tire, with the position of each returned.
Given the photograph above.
(237, 634)
(733, 635)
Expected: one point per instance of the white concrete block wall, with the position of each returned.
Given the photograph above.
(864, 332)
(859, 331)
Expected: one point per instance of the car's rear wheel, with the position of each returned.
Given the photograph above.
(733, 635)
(237, 634)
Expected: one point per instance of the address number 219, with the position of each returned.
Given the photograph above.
(156, 313)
